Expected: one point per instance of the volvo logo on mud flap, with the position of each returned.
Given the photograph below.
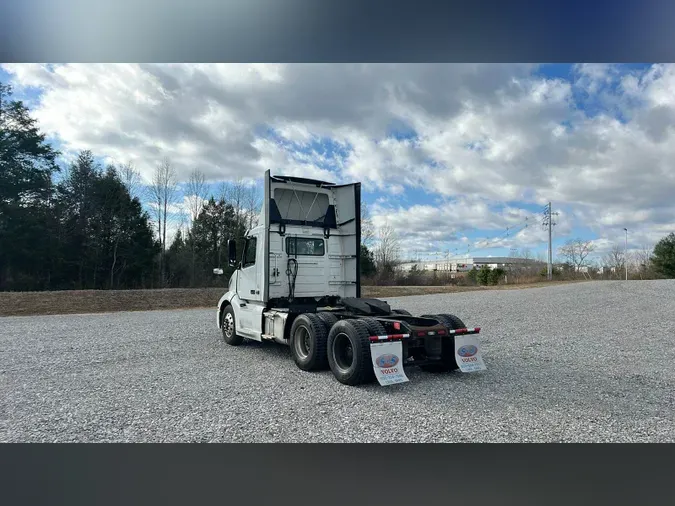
(386, 361)
(467, 351)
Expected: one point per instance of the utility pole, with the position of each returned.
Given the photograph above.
(625, 254)
(548, 222)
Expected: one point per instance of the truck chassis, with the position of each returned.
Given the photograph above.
(340, 337)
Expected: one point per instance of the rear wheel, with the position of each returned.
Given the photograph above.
(308, 342)
(448, 362)
(328, 319)
(229, 328)
(458, 324)
(375, 328)
(349, 352)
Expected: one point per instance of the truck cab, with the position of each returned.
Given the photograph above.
(303, 253)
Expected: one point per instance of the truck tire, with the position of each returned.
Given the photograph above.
(308, 342)
(458, 324)
(401, 311)
(375, 328)
(328, 319)
(448, 362)
(349, 353)
(228, 326)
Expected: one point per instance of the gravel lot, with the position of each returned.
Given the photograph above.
(587, 362)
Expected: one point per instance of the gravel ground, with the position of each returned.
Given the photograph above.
(590, 362)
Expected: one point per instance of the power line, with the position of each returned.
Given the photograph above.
(548, 222)
(510, 231)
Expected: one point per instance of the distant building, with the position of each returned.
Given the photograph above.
(466, 264)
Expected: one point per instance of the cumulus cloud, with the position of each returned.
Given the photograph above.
(469, 137)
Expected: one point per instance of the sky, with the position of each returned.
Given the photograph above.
(457, 158)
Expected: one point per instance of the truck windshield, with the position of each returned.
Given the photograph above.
(304, 246)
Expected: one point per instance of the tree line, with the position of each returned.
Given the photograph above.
(642, 263)
(80, 225)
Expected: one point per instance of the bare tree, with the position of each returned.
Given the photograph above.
(388, 248)
(245, 198)
(367, 228)
(642, 259)
(197, 191)
(644, 256)
(131, 178)
(576, 251)
(252, 202)
(615, 259)
(183, 220)
(163, 191)
(526, 266)
(233, 192)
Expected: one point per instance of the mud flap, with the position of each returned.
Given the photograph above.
(467, 354)
(388, 362)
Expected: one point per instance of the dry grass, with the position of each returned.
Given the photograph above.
(402, 291)
(103, 301)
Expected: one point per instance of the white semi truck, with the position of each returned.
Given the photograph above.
(298, 283)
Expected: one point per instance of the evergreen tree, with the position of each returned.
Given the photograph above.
(664, 256)
(27, 163)
(367, 261)
(217, 222)
(179, 263)
(107, 239)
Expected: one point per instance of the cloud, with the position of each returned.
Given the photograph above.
(467, 138)
(424, 227)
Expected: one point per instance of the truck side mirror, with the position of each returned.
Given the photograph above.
(232, 252)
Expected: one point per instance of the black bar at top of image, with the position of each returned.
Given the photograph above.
(358, 474)
(336, 30)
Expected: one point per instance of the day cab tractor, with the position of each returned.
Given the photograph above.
(298, 283)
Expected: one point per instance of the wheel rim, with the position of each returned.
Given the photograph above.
(343, 352)
(228, 325)
(303, 342)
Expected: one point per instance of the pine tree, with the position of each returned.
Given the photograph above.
(664, 256)
(27, 163)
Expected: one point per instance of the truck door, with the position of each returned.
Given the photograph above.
(248, 287)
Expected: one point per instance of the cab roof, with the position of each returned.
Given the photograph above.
(301, 180)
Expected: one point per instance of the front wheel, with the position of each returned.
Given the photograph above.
(229, 328)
